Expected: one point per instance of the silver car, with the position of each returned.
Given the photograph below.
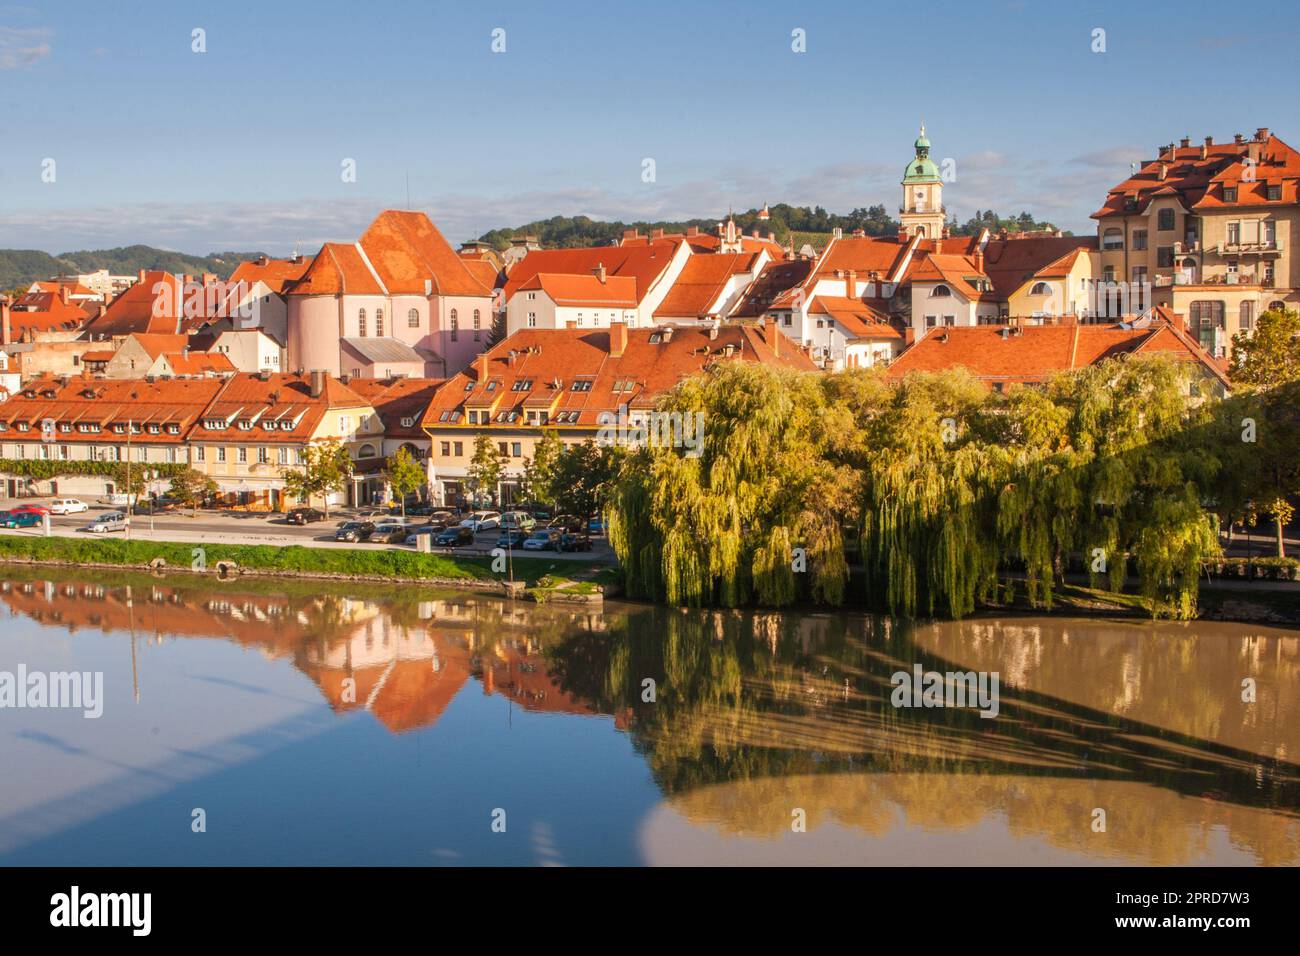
(108, 521)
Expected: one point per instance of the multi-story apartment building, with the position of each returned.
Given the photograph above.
(71, 419)
(577, 382)
(257, 425)
(1210, 228)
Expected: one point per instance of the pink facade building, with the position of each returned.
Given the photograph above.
(398, 301)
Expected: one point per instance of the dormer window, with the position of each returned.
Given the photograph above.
(408, 421)
(522, 385)
(1275, 193)
(286, 425)
(245, 425)
(1229, 193)
(582, 384)
(119, 428)
(940, 291)
(173, 429)
(154, 429)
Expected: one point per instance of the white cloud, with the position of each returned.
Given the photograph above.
(24, 46)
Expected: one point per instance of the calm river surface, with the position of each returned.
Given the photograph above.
(314, 724)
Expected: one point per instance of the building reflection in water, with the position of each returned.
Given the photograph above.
(754, 710)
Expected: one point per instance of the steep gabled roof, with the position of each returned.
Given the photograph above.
(701, 282)
(644, 263)
(406, 249)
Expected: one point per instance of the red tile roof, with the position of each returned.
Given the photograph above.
(550, 361)
(644, 263)
(406, 248)
(776, 278)
(1199, 183)
(154, 304)
(1033, 353)
(279, 397)
(337, 269)
(197, 363)
(1011, 262)
(396, 399)
(860, 320)
(277, 274)
(701, 282)
(46, 312)
(107, 403)
(578, 290)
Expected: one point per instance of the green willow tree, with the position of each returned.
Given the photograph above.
(954, 492)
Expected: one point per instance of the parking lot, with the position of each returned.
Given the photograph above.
(238, 527)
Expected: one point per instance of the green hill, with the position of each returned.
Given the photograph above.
(19, 268)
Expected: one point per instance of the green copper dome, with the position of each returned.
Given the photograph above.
(922, 169)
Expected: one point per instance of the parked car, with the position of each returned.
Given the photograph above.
(354, 531)
(38, 509)
(107, 521)
(543, 539)
(519, 520)
(482, 521)
(388, 532)
(432, 530)
(454, 537)
(442, 517)
(565, 523)
(511, 537)
(22, 519)
(304, 516)
(575, 542)
(116, 499)
(68, 506)
(596, 526)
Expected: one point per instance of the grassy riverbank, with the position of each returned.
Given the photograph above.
(294, 560)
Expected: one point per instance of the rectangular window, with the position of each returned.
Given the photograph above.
(263, 455)
(199, 452)
(282, 455)
(1234, 233)
(446, 449)
(532, 320)
(1229, 193)
(1139, 239)
(1165, 257)
(516, 450)
(1165, 220)
(501, 447)
(242, 456)
(1275, 193)
(460, 448)
(1139, 274)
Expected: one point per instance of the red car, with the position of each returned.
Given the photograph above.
(39, 509)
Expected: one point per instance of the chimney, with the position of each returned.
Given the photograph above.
(262, 260)
(318, 377)
(140, 276)
(1238, 138)
(1209, 141)
(1253, 149)
(63, 294)
(909, 337)
(692, 230)
(480, 366)
(617, 339)
(1177, 321)
(1186, 141)
(599, 272)
(6, 332)
(979, 260)
(1164, 171)
(837, 233)
(902, 233)
(772, 334)
(1205, 148)
(1261, 134)
(851, 284)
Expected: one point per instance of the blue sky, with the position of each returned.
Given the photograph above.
(241, 147)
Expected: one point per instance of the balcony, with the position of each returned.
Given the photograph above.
(1187, 247)
(1264, 247)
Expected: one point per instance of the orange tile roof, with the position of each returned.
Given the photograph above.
(197, 363)
(645, 263)
(109, 402)
(406, 248)
(395, 399)
(277, 397)
(859, 319)
(277, 274)
(653, 361)
(701, 282)
(484, 270)
(1011, 262)
(1199, 183)
(1033, 353)
(710, 242)
(337, 269)
(775, 279)
(156, 343)
(141, 309)
(579, 290)
(46, 312)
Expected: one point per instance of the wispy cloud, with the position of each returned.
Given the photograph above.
(21, 47)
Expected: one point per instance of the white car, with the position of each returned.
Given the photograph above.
(108, 521)
(68, 506)
(518, 520)
(482, 520)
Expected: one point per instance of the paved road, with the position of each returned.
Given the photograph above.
(253, 528)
